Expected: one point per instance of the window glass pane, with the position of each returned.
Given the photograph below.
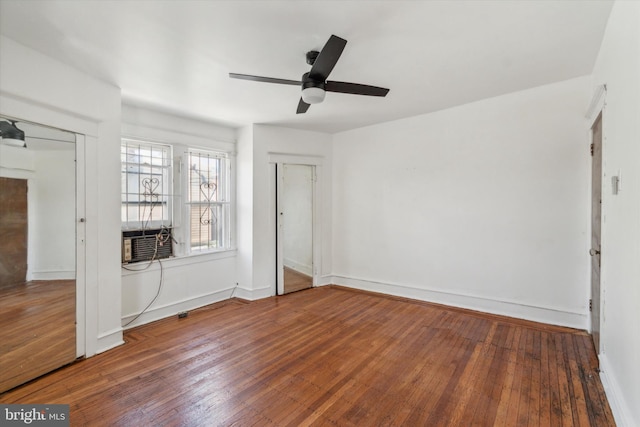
(145, 183)
(209, 225)
(205, 184)
(208, 201)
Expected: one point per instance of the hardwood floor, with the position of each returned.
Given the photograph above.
(333, 356)
(295, 281)
(37, 329)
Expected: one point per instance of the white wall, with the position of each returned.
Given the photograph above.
(482, 206)
(52, 230)
(37, 88)
(188, 282)
(244, 209)
(618, 66)
(258, 250)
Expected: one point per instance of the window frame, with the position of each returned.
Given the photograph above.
(180, 222)
(227, 202)
(141, 224)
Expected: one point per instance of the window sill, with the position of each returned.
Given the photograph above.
(178, 261)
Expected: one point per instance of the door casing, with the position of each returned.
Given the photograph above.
(276, 159)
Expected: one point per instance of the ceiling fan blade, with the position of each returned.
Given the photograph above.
(265, 79)
(327, 58)
(355, 88)
(302, 107)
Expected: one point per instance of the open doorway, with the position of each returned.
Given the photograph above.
(295, 192)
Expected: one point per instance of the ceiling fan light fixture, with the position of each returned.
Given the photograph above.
(11, 135)
(14, 142)
(313, 95)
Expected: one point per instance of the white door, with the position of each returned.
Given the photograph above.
(596, 210)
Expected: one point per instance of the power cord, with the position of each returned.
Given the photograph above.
(160, 240)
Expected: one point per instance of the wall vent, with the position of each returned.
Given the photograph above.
(146, 245)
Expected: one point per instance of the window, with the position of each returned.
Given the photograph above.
(208, 200)
(176, 190)
(146, 185)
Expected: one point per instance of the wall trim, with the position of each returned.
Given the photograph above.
(108, 340)
(597, 104)
(295, 159)
(254, 294)
(171, 309)
(54, 275)
(19, 107)
(553, 316)
(176, 262)
(325, 279)
(614, 394)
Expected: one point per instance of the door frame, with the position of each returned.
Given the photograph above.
(597, 110)
(278, 160)
(280, 290)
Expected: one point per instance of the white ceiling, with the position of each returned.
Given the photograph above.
(176, 55)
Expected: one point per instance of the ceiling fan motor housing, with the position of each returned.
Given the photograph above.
(309, 82)
(311, 56)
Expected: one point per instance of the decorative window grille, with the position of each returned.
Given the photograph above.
(208, 200)
(146, 185)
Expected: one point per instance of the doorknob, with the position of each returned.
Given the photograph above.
(594, 252)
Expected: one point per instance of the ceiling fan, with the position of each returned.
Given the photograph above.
(314, 83)
(10, 134)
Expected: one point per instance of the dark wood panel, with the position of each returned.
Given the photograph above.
(13, 229)
(334, 356)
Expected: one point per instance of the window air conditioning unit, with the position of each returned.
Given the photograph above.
(146, 245)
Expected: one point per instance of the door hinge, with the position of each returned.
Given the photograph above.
(590, 304)
(591, 149)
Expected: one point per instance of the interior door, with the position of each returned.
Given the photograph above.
(295, 192)
(596, 210)
(38, 301)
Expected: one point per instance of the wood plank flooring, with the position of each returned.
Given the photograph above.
(333, 356)
(296, 281)
(37, 329)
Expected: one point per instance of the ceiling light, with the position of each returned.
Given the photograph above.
(313, 95)
(11, 135)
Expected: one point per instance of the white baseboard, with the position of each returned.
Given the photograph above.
(254, 294)
(619, 407)
(172, 309)
(325, 280)
(551, 316)
(53, 275)
(297, 266)
(110, 339)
